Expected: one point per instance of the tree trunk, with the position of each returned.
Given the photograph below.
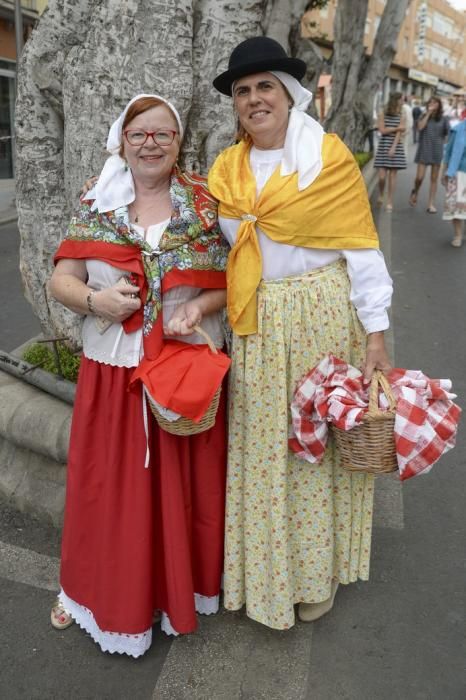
(218, 26)
(42, 204)
(355, 77)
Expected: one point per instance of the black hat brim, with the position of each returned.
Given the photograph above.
(293, 66)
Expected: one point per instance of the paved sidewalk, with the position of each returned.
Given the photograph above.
(7, 201)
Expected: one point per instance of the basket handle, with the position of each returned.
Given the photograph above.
(207, 338)
(379, 377)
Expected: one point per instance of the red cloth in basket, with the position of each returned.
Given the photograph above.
(184, 377)
(426, 418)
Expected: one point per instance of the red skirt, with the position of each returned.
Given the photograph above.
(136, 540)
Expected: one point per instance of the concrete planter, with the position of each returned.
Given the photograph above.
(34, 436)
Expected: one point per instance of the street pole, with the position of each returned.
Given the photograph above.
(18, 31)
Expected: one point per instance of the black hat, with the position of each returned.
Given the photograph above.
(257, 55)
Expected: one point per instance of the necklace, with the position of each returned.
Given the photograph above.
(138, 214)
(141, 212)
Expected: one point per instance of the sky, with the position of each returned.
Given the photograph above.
(458, 4)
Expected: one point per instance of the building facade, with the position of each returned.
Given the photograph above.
(30, 11)
(431, 49)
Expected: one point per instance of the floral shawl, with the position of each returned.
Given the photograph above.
(191, 251)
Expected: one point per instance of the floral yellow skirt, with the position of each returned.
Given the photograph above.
(291, 526)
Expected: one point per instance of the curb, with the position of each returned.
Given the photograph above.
(369, 174)
(8, 220)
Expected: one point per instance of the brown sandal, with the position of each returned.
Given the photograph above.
(413, 198)
(59, 618)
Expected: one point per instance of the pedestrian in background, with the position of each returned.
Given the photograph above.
(390, 156)
(454, 179)
(407, 113)
(433, 129)
(417, 111)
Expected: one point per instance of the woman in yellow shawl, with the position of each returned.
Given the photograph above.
(304, 278)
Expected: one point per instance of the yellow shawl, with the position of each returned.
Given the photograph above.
(333, 212)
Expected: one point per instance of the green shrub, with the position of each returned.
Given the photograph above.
(363, 158)
(42, 354)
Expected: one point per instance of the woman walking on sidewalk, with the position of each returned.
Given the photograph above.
(432, 128)
(454, 179)
(390, 156)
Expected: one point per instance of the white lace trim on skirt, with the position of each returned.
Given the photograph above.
(205, 605)
(131, 644)
(113, 642)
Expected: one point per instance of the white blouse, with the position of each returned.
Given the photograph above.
(371, 285)
(114, 346)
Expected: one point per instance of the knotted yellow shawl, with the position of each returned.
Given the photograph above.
(333, 212)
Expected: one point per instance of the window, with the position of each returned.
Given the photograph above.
(440, 55)
(442, 25)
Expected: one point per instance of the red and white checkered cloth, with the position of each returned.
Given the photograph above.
(426, 418)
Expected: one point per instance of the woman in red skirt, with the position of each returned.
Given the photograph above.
(144, 514)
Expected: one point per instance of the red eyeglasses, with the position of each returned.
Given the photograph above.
(138, 137)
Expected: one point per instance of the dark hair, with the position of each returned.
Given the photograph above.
(137, 108)
(393, 107)
(438, 114)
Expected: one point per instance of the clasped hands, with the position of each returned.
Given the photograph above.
(116, 303)
(184, 318)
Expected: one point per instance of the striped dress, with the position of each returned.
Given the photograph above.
(382, 159)
(431, 141)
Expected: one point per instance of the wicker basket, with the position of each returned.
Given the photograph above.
(185, 426)
(370, 447)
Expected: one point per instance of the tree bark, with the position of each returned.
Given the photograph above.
(355, 77)
(42, 203)
(218, 26)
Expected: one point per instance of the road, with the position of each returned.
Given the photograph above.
(17, 321)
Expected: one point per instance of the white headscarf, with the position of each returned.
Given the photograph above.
(115, 186)
(302, 151)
